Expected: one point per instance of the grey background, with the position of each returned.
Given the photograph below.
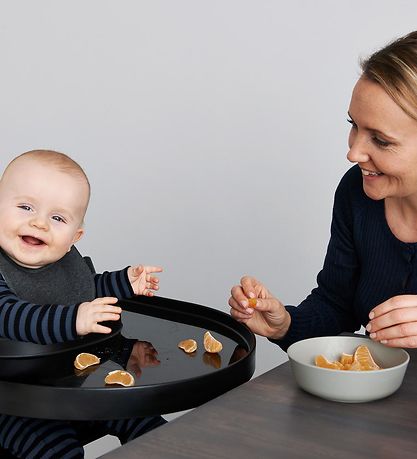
(213, 132)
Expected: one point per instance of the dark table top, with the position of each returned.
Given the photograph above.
(270, 417)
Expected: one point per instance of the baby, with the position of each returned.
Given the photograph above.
(49, 294)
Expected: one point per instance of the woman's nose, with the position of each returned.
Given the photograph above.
(358, 150)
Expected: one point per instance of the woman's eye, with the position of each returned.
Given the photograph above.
(380, 142)
(350, 121)
(58, 219)
(24, 207)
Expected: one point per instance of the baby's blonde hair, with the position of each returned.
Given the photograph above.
(60, 161)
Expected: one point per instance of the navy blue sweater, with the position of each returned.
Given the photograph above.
(365, 265)
(52, 323)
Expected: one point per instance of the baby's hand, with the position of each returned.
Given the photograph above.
(91, 313)
(141, 280)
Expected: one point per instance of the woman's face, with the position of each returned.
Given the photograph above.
(383, 141)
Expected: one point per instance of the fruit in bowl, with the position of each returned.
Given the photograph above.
(348, 385)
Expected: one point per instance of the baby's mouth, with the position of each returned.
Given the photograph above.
(32, 240)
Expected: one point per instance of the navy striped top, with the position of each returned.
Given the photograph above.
(52, 323)
(365, 265)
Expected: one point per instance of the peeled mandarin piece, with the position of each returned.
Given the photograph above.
(252, 302)
(364, 357)
(211, 344)
(322, 362)
(120, 377)
(188, 345)
(85, 360)
(346, 359)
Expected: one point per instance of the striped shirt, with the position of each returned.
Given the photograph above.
(52, 323)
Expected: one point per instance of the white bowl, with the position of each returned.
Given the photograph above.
(345, 385)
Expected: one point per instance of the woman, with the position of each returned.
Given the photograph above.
(369, 276)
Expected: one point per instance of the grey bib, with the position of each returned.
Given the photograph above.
(70, 280)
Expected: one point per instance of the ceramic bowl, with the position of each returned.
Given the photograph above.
(346, 385)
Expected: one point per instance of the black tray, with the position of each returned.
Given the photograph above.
(53, 389)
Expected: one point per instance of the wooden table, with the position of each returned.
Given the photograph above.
(270, 417)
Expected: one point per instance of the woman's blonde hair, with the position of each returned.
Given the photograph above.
(394, 67)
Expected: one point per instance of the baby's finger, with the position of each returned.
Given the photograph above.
(152, 279)
(97, 328)
(153, 269)
(102, 317)
(152, 285)
(101, 308)
(105, 300)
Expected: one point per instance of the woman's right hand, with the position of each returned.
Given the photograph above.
(268, 318)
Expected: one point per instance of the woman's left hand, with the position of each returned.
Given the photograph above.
(394, 322)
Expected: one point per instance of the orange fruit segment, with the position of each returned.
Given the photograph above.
(252, 302)
(211, 344)
(322, 362)
(120, 377)
(363, 358)
(84, 360)
(188, 345)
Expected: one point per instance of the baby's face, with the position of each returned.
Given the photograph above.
(41, 212)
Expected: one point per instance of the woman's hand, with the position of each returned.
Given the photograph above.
(394, 322)
(141, 279)
(268, 318)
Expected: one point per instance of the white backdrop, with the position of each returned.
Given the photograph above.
(213, 132)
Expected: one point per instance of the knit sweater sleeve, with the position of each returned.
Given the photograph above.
(328, 310)
(41, 324)
(115, 283)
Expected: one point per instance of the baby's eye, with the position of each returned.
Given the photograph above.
(58, 219)
(24, 207)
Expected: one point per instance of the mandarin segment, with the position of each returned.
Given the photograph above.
(363, 357)
(120, 377)
(322, 362)
(211, 344)
(84, 360)
(252, 302)
(361, 360)
(188, 345)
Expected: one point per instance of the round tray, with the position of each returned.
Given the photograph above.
(167, 381)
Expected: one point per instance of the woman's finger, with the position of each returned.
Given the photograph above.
(391, 318)
(396, 302)
(403, 330)
(239, 296)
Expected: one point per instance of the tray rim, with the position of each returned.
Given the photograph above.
(219, 381)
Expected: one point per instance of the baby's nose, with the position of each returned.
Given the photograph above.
(39, 222)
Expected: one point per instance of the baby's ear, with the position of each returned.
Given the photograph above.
(78, 235)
